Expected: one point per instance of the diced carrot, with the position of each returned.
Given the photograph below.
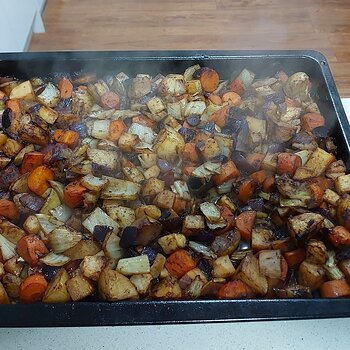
(179, 205)
(245, 223)
(230, 219)
(179, 263)
(31, 248)
(246, 190)
(116, 129)
(65, 87)
(14, 105)
(219, 117)
(144, 120)
(268, 183)
(295, 257)
(190, 153)
(31, 160)
(110, 100)
(232, 98)
(74, 194)
(228, 171)
(188, 169)
(287, 163)
(335, 289)
(8, 209)
(310, 121)
(339, 236)
(38, 180)
(323, 205)
(255, 159)
(235, 290)
(259, 176)
(209, 79)
(284, 269)
(237, 86)
(68, 137)
(32, 289)
(317, 193)
(215, 99)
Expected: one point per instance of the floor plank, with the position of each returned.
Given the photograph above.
(322, 25)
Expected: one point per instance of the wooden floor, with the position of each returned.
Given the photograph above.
(322, 25)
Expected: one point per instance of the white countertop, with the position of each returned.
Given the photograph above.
(307, 334)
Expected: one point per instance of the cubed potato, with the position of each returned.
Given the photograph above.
(79, 287)
(194, 107)
(147, 160)
(120, 189)
(193, 224)
(127, 142)
(152, 187)
(23, 91)
(342, 184)
(270, 263)
(150, 211)
(223, 267)
(10, 231)
(12, 147)
(193, 87)
(48, 114)
(11, 284)
(311, 275)
(107, 159)
(156, 105)
(111, 246)
(304, 173)
(82, 249)
(169, 144)
(172, 242)
(167, 288)
(158, 265)
(316, 252)
(319, 161)
(164, 199)
(93, 183)
(134, 265)
(133, 174)
(124, 216)
(261, 239)
(92, 266)
(225, 144)
(153, 171)
(331, 197)
(211, 149)
(57, 291)
(114, 286)
(99, 217)
(249, 272)
(142, 282)
(303, 226)
(269, 163)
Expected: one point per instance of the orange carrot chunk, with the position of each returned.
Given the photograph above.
(74, 194)
(68, 137)
(268, 183)
(255, 159)
(32, 289)
(190, 153)
(339, 236)
(8, 209)
(179, 263)
(245, 223)
(335, 289)
(246, 190)
(110, 100)
(31, 160)
(14, 105)
(215, 99)
(295, 257)
(232, 97)
(209, 79)
(31, 248)
(228, 171)
(219, 117)
(310, 121)
(38, 180)
(259, 176)
(237, 86)
(65, 87)
(116, 129)
(287, 163)
(235, 290)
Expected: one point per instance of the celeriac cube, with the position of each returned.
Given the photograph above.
(134, 265)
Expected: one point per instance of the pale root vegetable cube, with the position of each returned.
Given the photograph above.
(152, 187)
(172, 242)
(193, 224)
(164, 199)
(223, 267)
(79, 287)
(342, 184)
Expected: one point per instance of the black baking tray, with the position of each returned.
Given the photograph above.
(228, 64)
